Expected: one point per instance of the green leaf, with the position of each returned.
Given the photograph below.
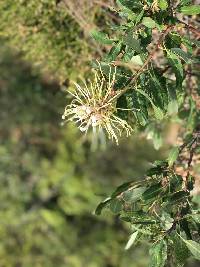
(148, 22)
(194, 247)
(183, 55)
(196, 42)
(185, 2)
(133, 194)
(101, 37)
(196, 200)
(191, 117)
(172, 108)
(131, 240)
(128, 14)
(129, 3)
(114, 52)
(190, 10)
(157, 111)
(131, 42)
(181, 252)
(116, 205)
(158, 169)
(102, 205)
(176, 182)
(123, 187)
(144, 222)
(139, 17)
(158, 89)
(154, 134)
(136, 60)
(152, 192)
(163, 4)
(173, 155)
(158, 254)
(190, 182)
(177, 196)
(177, 67)
(196, 217)
(138, 101)
(142, 118)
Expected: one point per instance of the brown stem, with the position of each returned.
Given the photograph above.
(191, 28)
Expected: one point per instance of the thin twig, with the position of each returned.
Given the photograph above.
(192, 29)
(102, 4)
(193, 147)
(134, 77)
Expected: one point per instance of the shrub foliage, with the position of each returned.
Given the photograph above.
(155, 48)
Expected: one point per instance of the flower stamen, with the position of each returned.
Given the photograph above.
(95, 106)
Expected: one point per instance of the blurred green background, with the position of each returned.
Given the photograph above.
(50, 181)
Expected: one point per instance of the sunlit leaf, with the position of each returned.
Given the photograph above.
(131, 240)
(163, 4)
(149, 22)
(190, 10)
(173, 155)
(172, 108)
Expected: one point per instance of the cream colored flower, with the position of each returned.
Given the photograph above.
(155, 6)
(95, 106)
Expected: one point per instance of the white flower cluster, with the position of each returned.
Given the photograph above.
(95, 106)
